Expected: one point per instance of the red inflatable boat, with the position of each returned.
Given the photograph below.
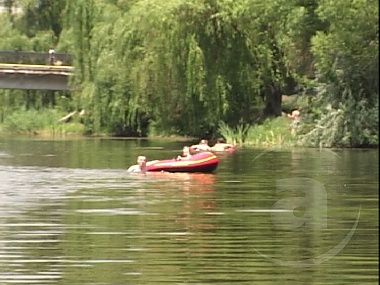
(201, 162)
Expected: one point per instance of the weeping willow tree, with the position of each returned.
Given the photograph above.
(182, 67)
(198, 63)
(178, 66)
(347, 60)
(89, 28)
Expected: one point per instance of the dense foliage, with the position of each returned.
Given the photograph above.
(163, 67)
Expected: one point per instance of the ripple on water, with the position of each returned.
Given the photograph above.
(99, 226)
(112, 211)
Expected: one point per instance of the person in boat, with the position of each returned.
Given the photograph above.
(186, 153)
(221, 145)
(202, 146)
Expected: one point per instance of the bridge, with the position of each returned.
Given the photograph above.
(31, 71)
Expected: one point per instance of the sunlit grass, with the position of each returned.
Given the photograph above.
(32, 122)
(272, 132)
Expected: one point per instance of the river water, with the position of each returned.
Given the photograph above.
(70, 214)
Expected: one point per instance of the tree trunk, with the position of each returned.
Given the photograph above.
(272, 101)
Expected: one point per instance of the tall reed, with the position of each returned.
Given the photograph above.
(234, 135)
(272, 132)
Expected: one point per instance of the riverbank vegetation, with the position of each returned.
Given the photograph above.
(203, 69)
(46, 123)
(272, 132)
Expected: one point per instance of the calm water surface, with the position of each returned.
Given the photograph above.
(70, 214)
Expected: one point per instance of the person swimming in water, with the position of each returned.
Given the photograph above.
(140, 167)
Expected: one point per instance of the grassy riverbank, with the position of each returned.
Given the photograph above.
(271, 132)
(44, 123)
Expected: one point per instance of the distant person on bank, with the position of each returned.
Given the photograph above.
(295, 116)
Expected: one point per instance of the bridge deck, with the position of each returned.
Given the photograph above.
(36, 69)
(35, 77)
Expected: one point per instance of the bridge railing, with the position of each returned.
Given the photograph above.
(33, 57)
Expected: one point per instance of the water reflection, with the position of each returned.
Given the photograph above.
(156, 215)
(197, 201)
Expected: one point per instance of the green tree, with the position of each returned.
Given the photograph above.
(347, 59)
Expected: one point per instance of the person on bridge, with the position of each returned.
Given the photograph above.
(51, 56)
